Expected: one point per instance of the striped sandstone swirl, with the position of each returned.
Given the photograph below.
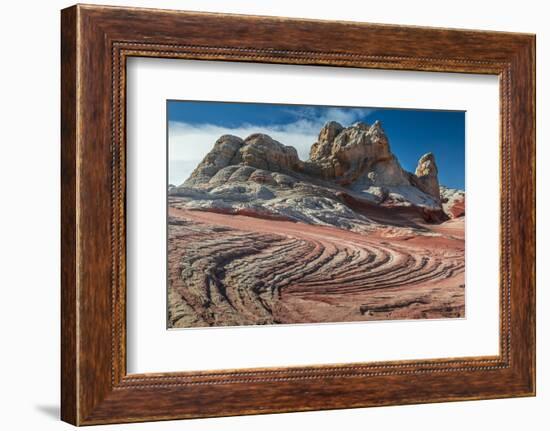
(238, 270)
(257, 236)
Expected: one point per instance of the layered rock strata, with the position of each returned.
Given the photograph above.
(234, 270)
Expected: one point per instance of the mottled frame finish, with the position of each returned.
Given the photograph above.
(95, 43)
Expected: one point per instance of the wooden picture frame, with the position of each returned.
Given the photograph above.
(95, 43)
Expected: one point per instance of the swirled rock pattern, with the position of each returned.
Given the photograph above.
(240, 270)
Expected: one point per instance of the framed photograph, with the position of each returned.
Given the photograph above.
(264, 215)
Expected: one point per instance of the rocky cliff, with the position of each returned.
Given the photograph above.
(351, 180)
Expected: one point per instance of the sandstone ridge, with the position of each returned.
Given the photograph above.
(352, 180)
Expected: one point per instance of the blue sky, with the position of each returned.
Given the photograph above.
(195, 126)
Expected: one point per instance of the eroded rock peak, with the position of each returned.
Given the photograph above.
(351, 165)
(427, 175)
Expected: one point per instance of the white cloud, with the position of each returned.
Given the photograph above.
(344, 116)
(189, 143)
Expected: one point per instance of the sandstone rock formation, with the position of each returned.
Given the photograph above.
(233, 270)
(350, 176)
(426, 175)
(453, 202)
(371, 244)
(231, 152)
(344, 154)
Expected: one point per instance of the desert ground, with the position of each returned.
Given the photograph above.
(239, 270)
